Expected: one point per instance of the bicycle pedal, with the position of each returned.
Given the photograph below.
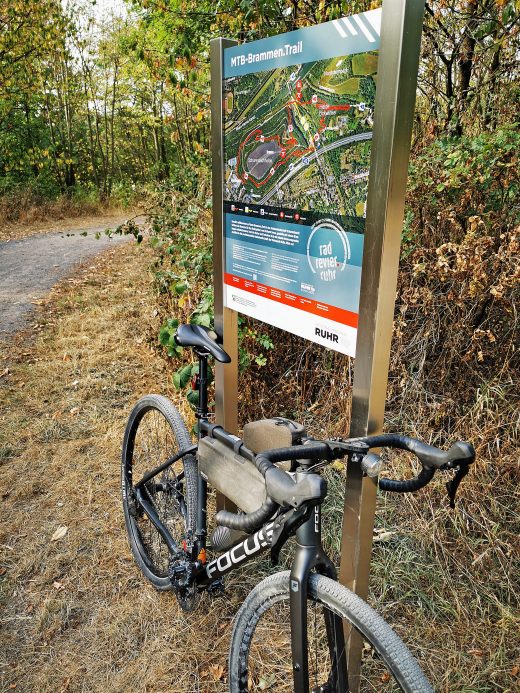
(217, 587)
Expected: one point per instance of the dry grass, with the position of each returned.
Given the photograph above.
(76, 613)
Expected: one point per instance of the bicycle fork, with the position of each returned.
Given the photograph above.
(309, 555)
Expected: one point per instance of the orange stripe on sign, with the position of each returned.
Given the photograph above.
(324, 310)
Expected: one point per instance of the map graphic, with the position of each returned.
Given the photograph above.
(298, 137)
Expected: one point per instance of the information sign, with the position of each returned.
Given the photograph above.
(297, 129)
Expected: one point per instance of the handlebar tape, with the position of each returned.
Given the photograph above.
(430, 456)
(248, 522)
(310, 451)
(280, 486)
(424, 477)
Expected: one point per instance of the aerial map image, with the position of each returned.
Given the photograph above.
(298, 137)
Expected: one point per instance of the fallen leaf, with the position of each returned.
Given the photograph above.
(74, 410)
(386, 677)
(4, 372)
(217, 672)
(59, 533)
(74, 383)
(58, 585)
(265, 683)
(515, 670)
(384, 536)
(3, 570)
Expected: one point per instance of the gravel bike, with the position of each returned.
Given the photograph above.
(290, 633)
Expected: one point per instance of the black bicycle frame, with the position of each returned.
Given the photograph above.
(309, 556)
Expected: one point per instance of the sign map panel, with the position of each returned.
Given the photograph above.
(298, 113)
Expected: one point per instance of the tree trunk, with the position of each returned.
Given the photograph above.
(466, 61)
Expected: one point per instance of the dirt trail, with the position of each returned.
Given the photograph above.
(30, 267)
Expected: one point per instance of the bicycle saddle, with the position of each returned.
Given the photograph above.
(201, 338)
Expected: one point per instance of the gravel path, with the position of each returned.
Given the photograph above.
(30, 267)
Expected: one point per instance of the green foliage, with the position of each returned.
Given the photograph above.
(253, 345)
(166, 337)
(460, 178)
(481, 170)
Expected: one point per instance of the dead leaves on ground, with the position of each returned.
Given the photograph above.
(215, 672)
(59, 533)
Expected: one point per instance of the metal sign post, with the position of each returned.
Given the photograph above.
(259, 164)
(394, 107)
(226, 320)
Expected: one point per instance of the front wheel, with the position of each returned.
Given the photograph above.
(260, 656)
(155, 432)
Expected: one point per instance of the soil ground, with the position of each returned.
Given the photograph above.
(31, 265)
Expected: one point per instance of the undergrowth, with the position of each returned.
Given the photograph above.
(446, 578)
(27, 205)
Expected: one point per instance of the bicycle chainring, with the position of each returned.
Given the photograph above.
(182, 579)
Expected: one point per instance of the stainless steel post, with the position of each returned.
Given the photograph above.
(226, 321)
(394, 107)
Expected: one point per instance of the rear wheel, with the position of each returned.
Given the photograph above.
(260, 656)
(155, 432)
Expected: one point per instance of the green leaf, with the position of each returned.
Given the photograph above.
(185, 375)
(203, 319)
(164, 336)
(260, 360)
(174, 350)
(193, 397)
(180, 288)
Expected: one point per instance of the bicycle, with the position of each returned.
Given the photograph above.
(273, 476)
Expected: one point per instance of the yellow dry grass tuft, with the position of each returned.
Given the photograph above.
(76, 613)
(23, 213)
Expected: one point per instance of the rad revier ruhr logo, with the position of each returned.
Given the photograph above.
(328, 249)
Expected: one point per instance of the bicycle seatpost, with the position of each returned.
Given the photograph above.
(201, 384)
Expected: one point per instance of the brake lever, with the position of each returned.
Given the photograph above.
(453, 485)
